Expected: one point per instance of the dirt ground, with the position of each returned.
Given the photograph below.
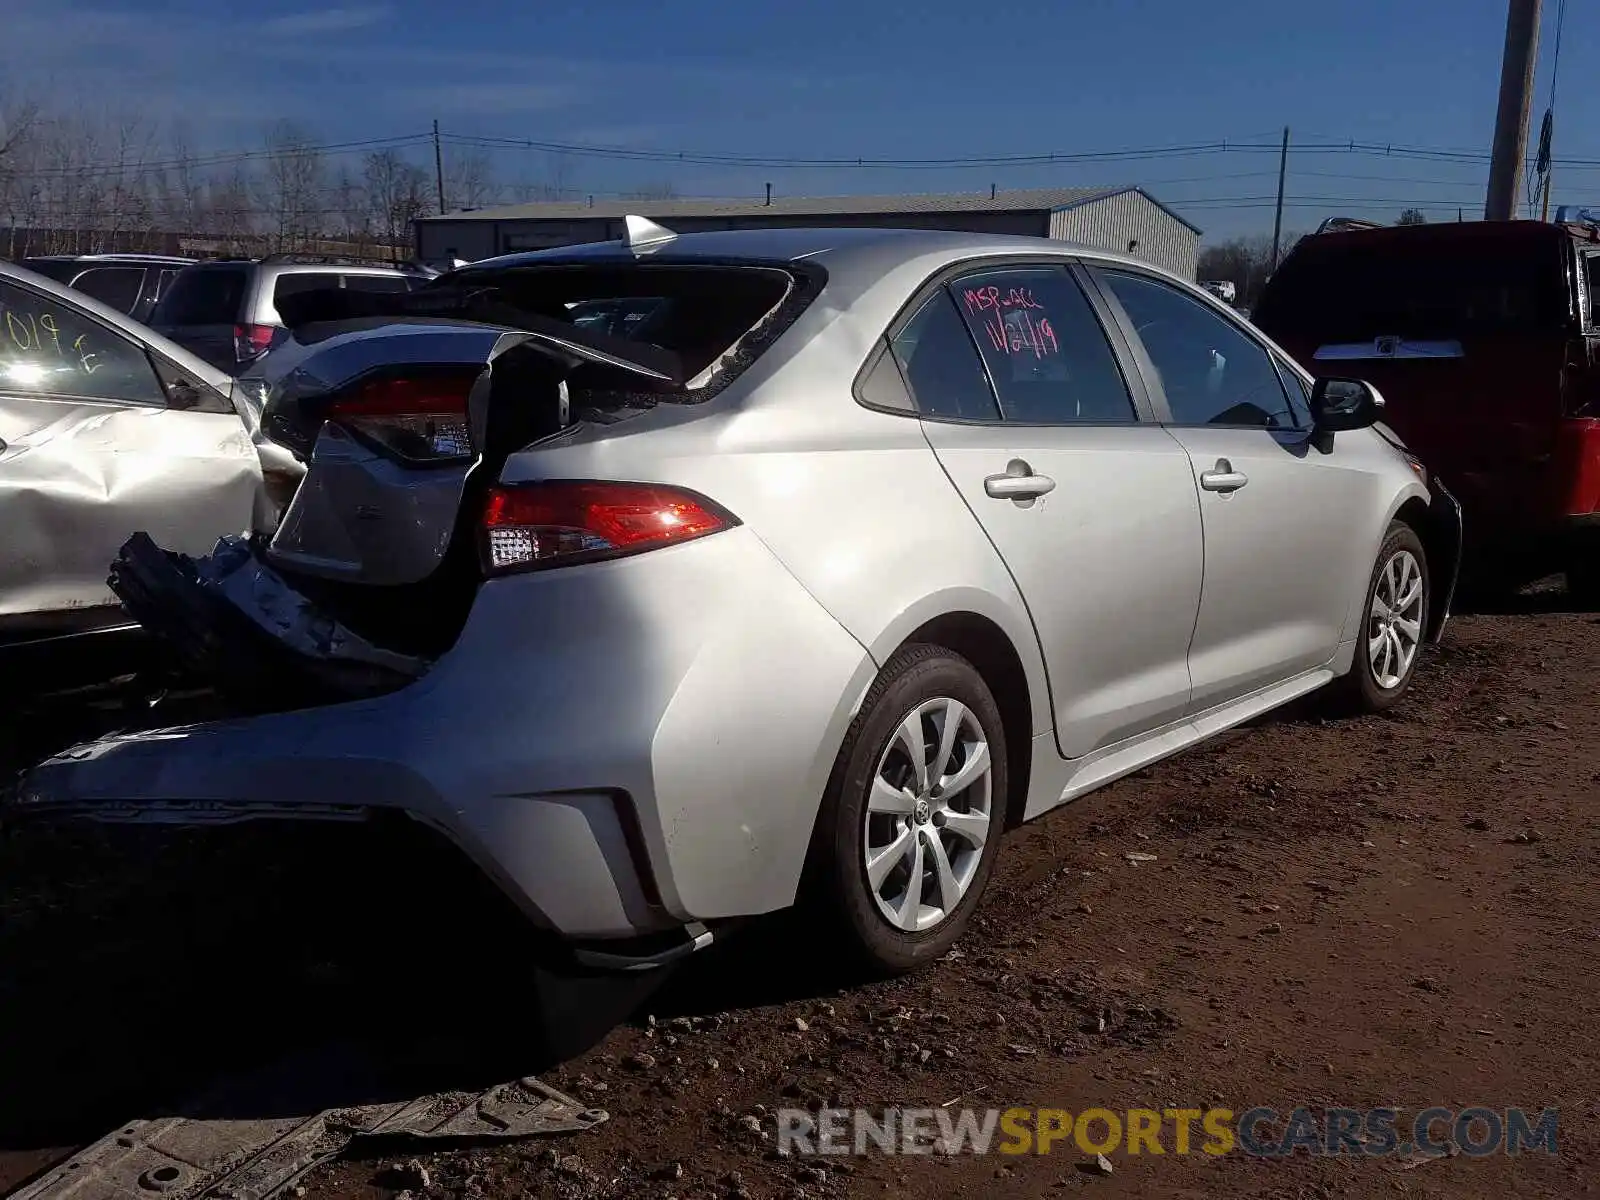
(1395, 911)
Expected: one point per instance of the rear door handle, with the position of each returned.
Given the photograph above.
(1018, 483)
(1223, 478)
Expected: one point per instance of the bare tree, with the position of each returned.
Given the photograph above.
(468, 178)
(557, 183)
(350, 207)
(18, 191)
(292, 185)
(1246, 262)
(397, 194)
(1413, 216)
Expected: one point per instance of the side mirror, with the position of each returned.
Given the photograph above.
(1344, 404)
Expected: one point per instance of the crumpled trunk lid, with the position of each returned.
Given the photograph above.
(372, 570)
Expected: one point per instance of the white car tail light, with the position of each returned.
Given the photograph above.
(529, 527)
(420, 419)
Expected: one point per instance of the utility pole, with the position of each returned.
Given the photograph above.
(438, 166)
(1277, 220)
(1511, 119)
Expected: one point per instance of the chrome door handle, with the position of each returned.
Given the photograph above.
(1018, 483)
(1223, 478)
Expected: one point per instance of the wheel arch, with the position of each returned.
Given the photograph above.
(987, 647)
(1437, 525)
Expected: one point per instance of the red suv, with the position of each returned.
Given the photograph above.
(1484, 340)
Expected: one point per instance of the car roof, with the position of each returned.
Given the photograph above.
(1466, 235)
(858, 254)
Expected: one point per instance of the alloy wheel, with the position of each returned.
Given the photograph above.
(927, 817)
(1394, 623)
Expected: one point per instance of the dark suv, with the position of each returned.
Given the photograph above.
(227, 311)
(129, 283)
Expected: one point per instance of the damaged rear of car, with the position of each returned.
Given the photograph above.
(409, 639)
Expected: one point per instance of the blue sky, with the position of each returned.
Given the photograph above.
(852, 78)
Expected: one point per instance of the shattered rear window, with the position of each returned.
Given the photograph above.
(716, 318)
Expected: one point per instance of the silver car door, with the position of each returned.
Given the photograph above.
(91, 452)
(1093, 510)
(1284, 557)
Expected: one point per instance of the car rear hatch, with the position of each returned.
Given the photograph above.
(203, 310)
(406, 409)
(1466, 343)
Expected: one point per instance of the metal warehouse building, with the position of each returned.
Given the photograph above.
(1127, 219)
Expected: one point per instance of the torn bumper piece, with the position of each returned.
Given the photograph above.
(233, 621)
(185, 1158)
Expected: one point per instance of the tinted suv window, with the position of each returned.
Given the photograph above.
(1211, 372)
(940, 364)
(49, 349)
(1046, 352)
(373, 283)
(1591, 277)
(1350, 288)
(203, 296)
(303, 281)
(115, 286)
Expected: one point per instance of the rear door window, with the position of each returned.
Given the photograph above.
(114, 286)
(376, 283)
(940, 363)
(50, 349)
(1044, 348)
(203, 296)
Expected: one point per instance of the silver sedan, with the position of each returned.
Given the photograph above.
(851, 549)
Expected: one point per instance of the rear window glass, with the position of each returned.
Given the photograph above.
(1435, 290)
(303, 281)
(375, 283)
(203, 296)
(699, 313)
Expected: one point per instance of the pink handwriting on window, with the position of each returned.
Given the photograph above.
(1013, 321)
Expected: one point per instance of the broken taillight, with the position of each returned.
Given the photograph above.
(250, 342)
(536, 525)
(420, 419)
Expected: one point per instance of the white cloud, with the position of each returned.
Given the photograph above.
(327, 20)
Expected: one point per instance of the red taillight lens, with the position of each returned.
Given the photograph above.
(537, 525)
(421, 419)
(252, 341)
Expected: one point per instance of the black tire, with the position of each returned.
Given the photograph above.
(838, 891)
(1360, 691)
(1583, 580)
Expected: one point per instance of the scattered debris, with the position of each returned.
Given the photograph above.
(264, 1158)
(1098, 1165)
(1525, 837)
(1138, 856)
(1478, 823)
(802, 1024)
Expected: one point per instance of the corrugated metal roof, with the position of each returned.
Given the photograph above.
(1019, 200)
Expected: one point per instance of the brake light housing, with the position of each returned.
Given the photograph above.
(419, 418)
(250, 342)
(555, 523)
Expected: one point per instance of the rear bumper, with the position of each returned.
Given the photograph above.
(626, 748)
